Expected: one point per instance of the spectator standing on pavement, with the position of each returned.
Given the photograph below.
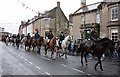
(118, 49)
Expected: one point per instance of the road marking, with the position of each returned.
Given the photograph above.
(21, 57)
(64, 65)
(47, 73)
(76, 69)
(47, 59)
(30, 63)
(37, 67)
(25, 59)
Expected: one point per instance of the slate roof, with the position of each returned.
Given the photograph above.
(87, 8)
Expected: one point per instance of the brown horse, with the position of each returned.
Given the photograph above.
(98, 49)
(36, 43)
(51, 45)
(28, 43)
(39, 43)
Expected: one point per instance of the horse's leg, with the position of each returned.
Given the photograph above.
(56, 51)
(63, 52)
(52, 52)
(82, 58)
(25, 46)
(96, 65)
(29, 48)
(97, 62)
(33, 48)
(45, 51)
(39, 49)
(66, 53)
(85, 59)
(100, 64)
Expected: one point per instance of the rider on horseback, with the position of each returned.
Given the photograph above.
(93, 35)
(37, 36)
(61, 36)
(18, 36)
(28, 36)
(50, 36)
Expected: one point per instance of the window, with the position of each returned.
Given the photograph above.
(97, 17)
(114, 34)
(114, 14)
(83, 19)
(47, 21)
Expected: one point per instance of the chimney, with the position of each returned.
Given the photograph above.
(58, 4)
(83, 3)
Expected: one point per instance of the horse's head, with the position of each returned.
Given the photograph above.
(69, 37)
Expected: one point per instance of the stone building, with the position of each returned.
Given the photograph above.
(53, 19)
(114, 20)
(86, 17)
(103, 16)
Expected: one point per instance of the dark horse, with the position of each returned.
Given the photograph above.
(28, 43)
(39, 43)
(32, 42)
(98, 49)
(18, 42)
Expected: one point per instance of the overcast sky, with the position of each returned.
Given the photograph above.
(12, 12)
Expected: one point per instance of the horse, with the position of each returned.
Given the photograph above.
(6, 40)
(39, 43)
(23, 41)
(17, 42)
(64, 45)
(98, 48)
(51, 45)
(28, 43)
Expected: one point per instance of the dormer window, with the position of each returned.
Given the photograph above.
(114, 13)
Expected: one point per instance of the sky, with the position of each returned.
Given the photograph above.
(12, 12)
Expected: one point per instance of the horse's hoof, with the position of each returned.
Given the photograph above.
(53, 58)
(86, 64)
(101, 69)
(65, 57)
(82, 65)
(95, 68)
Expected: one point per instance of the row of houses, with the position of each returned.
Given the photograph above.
(53, 19)
(103, 16)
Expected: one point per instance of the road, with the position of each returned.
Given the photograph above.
(15, 61)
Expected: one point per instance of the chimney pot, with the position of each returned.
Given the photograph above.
(58, 4)
(83, 3)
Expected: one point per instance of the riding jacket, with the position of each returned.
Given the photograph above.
(93, 36)
(50, 35)
(37, 35)
(62, 37)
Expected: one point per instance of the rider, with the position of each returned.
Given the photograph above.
(50, 36)
(37, 36)
(18, 36)
(93, 35)
(61, 36)
(28, 36)
(22, 36)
